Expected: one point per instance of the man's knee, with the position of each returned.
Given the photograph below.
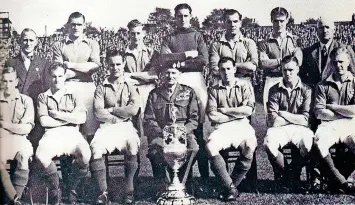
(96, 151)
(132, 147)
(321, 147)
(350, 141)
(22, 158)
(212, 148)
(84, 154)
(306, 145)
(272, 140)
(43, 156)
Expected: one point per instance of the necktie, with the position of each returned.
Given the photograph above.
(170, 91)
(324, 57)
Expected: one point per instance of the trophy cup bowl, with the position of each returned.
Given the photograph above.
(175, 154)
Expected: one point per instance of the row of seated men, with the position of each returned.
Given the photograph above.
(230, 103)
(79, 58)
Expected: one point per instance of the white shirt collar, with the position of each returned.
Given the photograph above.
(239, 37)
(142, 47)
(80, 39)
(24, 56)
(327, 45)
(282, 84)
(285, 35)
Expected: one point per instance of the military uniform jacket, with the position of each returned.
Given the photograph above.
(157, 112)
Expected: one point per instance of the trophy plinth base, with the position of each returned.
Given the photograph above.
(176, 195)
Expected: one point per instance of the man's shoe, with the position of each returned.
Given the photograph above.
(16, 201)
(103, 199)
(230, 195)
(315, 184)
(129, 199)
(73, 197)
(348, 187)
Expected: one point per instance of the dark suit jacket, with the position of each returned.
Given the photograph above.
(310, 72)
(35, 80)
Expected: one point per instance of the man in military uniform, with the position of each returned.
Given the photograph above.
(158, 114)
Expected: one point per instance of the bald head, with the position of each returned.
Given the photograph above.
(325, 21)
(28, 30)
(325, 29)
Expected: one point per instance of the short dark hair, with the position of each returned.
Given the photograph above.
(27, 30)
(225, 60)
(279, 11)
(338, 50)
(112, 53)
(75, 15)
(229, 12)
(9, 70)
(182, 6)
(54, 66)
(134, 23)
(288, 59)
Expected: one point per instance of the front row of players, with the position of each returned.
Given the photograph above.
(230, 104)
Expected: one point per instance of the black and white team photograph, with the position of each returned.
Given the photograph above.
(177, 102)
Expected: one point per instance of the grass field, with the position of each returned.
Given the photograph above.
(269, 192)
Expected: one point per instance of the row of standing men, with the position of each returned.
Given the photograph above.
(115, 101)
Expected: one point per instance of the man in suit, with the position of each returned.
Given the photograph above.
(31, 70)
(316, 64)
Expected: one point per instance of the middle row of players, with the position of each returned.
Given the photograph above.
(230, 103)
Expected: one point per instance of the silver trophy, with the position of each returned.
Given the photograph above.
(175, 154)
